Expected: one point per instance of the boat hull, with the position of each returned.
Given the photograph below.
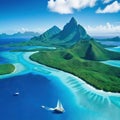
(57, 111)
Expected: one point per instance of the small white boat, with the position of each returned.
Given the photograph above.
(16, 93)
(59, 108)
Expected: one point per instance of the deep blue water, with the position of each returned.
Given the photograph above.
(2, 60)
(4, 47)
(35, 90)
(38, 87)
(12, 40)
(4, 42)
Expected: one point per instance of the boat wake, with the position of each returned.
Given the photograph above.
(47, 108)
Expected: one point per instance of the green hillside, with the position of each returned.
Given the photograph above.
(91, 50)
(48, 34)
(44, 38)
(6, 68)
(77, 60)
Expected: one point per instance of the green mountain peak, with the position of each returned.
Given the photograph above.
(72, 32)
(71, 26)
(55, 28)
(47, 34)
(73, 21)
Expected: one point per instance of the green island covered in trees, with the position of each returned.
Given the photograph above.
(6, 68)
(77, 53)
(80, 55)
(85, 64)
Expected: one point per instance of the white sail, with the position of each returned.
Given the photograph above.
(59, 106)
(58, 109)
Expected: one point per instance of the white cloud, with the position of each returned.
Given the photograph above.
(24, 29)
(112, 8)
(68, 6)
(106, 1)
(104, 30)
(59, 6)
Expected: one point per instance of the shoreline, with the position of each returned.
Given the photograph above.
(19, 68)
(46, 70)
(77, 78)
(84, 95)
(114, 63)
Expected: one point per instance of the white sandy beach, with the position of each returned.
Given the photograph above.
(64, 75)
(86, 95)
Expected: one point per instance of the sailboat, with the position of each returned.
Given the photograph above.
(59, 108)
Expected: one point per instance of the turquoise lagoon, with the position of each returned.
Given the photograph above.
(115, 63)
(41, 85)
(115, 49)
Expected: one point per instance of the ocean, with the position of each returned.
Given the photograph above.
(12, 40)
(39, 85)
(35, 91)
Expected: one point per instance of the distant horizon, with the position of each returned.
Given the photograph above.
(106, 36)
(41, 32)
(98, 17)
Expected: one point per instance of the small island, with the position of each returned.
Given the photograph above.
(101, 76)
(80, 55)
(6, 68)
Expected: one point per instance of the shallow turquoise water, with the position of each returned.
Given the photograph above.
(40, 85)
(115, 49)
(115, 63)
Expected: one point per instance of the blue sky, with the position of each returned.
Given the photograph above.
(99, 17)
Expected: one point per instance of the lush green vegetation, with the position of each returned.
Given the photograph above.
(71, 33)
(42, 40)
(82, 61)
(77, 54)
(6, 68)
(91, 50)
